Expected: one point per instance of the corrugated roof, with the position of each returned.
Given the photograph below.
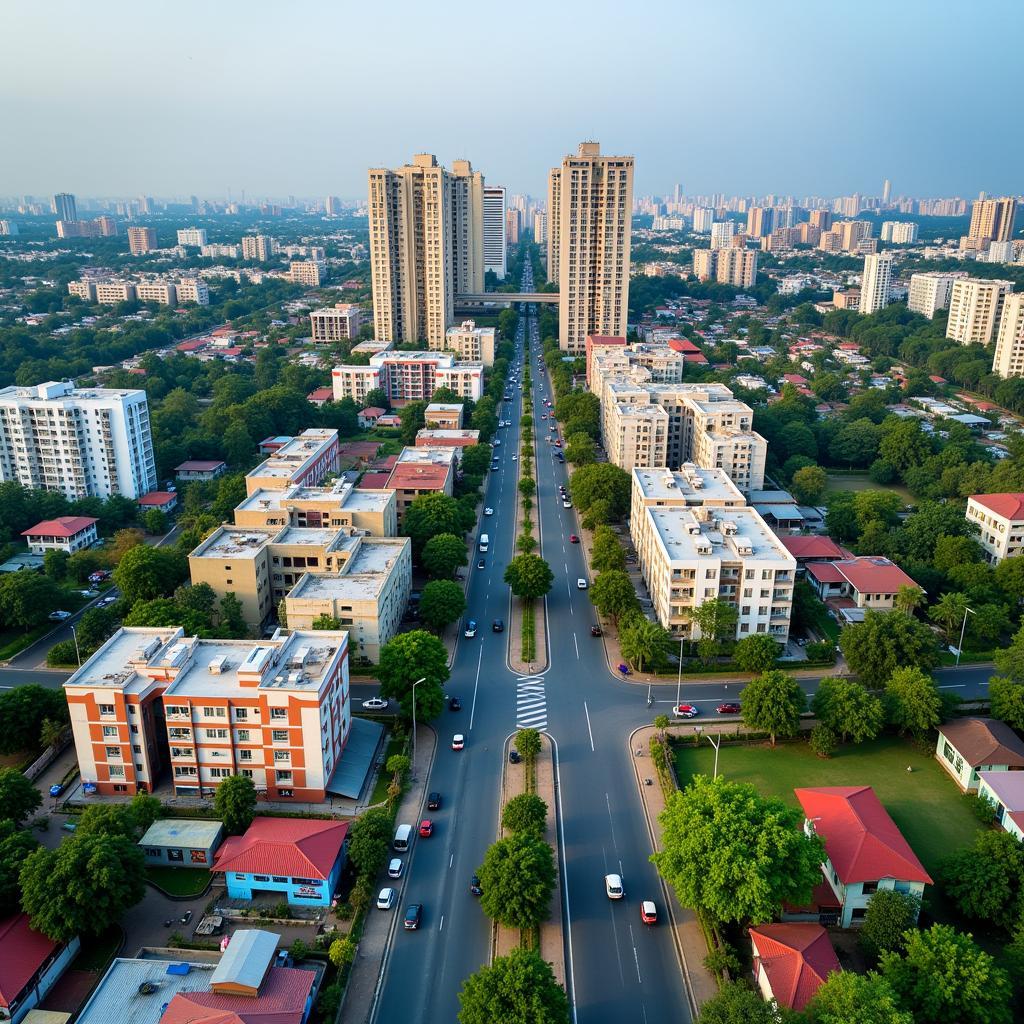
(247, 959)
(281, 1000)
(297, 847)
(812, 547)
(797, 958)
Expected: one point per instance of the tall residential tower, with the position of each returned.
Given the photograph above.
(494, 230)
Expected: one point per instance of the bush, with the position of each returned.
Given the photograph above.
(822, 740)
(299, 950)
(981, 808)
(823, 650)
(62, 653)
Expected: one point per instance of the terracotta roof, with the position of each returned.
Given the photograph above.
(861, 840)
(605, 339)
(682, 345)
(22, 953)
(62, 526)
(797, 958)
(372, 410)
(985, 741)
(872, 574)
(158, 498)
(298, 847)
(281, 1000)
(374, 481)
(825, 572)
(813, 547)
(407, 474)
(320, 395)
(1007, 505)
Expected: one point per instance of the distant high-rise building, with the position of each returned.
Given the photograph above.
(737, 267)
(64, 206)
(760, 221)
(8, 227)
(147, 205)
(106, 226)
(467, 230)
(513, 225)
(540, 227)
(992, 219)
(257, 247)
(930, 292)
(722, 232)
(332, 206)
(193, 201)
(677, 194)
(703, 218)
(1009, 358)
(494, 230)
(899, 232)
(192, 236)
(875, 282)
(141, 240)
(595, 214)
(886, 191)
(554, 221)
(310, 273)
(821, 219)
(975, 307)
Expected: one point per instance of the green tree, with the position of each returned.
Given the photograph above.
(773, 703)
(808, 485)
(476, 459)
(913, 703)
(155, 522)
(909, 599)
(377, 398)
(884, 642)
(527, 742)
(406, 658)
(145, 573)
(737, 1003)
(1007, 697)
(716, 620)
(231, 617)
(529, 576)
(430, 515)
(18, 796)
(326, 622)
(15, 846)
(613, 594)
(413, 420)
(601, 481)
(518, 879)
(709, 831)
(943, 976)
(23, 711)
(599, 514)
(55, 564)
(756, 653)
(234, 800)
(1010, 660)
(849, 998)
(1010, 577)
(890, 915)
(516, 989)
(526, 812)
(606, 552)
(342, 953)
(26, 598)
(644, 643)
(848, 709)
(949, 613)
(442, 602)
(986, 879)
(83, 886)
(368, 841)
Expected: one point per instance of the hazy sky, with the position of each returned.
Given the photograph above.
(743, 96)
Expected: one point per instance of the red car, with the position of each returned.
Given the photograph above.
(573, 539)
(728, 708)
(648, 912)
(426, 828)
(685, 711)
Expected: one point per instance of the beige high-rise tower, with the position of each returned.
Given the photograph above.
(592, 231)
(467, 227)
(993, 219)
(554, 221)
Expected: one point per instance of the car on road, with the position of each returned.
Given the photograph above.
(70, 825)
(514, 757)
(496, 442)
(573, 539)
(426, 828)
(458, 741)
(728, 708)
(386, 898)
(99, 576)
(648, 912)
(595, 630)
(474, 886)
(470, 630)
(454, 704)
(59, 616)
(685, 711)
(488, 511)
(434, 802)
(104, 601)
(56, 789)
(566, 503)
(395, 867)
(375, 704)
(482, 564)
(497, 626)
(581, 584)
(613, 887)
(413, 913)
(89, 593)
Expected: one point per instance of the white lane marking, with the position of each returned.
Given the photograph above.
(952, 686)
(531, 703)
(577, 646)
(451, 861)
(440, 927)
(476, 686)
(587, 713)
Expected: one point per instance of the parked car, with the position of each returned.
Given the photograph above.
(613, 887)
(375, 704)
(454, 704)
(581, 584)
(488, 511)
(56, 789)
(413, 913)
(458, 741)
(474, 886)
(104, 601)
(728, 708)
(595, 630)
(59, 616)
(386, 898)
(395, 867)
(573, 539)
(89, 593)
(70, 825)
(426, 828)
(514, 757)
(434, 802)
(685, 711)
(648, 912)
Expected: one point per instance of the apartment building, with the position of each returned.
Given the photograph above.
(340, 322)
(443, 415)
(540, 227)
(494, 230)
(737, 267)
(192, 289)
(992, 219)
(930, 292)
(368, 596)
(110, 293)
(236, 560)
(875, 282)
(1009, 357)
(192, 236)
(408, 377)
(421, 471)
(1000, 522)
(467, 232)
(310, 273)
(257, 247)
(221, 251)
(163, 292)
(141, 240)
(688, 487)
(722, 233)
(705, 264)
(65, 533)
(899, 232)
(152, 699)
(703, 218)
(82, 442)
(592, 234)
(8, 228)
(85, 289)
(64, 206)
(975, 306)
(338, 506)
(554, 222)
(760, 221)
(690, 553)
(305, 459)
(471, 343)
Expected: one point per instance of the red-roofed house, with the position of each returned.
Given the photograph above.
(866, 583)
(813, 548)
(368, 417)
(192, 346)
(30, 964)
(374, 481)
(201, 469)
(65, 533)
(410, 479)
(297, 856)
(792, 961)
(320, 396)
(864, 850)
(164, 501)
(283, 998)
(1000, 520)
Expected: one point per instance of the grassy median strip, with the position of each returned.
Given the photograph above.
(528, 637)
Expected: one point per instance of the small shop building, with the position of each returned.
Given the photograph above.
(182, 842)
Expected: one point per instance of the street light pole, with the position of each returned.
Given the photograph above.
(699, 730)
(679, 680)
(414, 685)
(963, 630)
(78, 654)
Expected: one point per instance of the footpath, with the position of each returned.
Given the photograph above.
(367, 970)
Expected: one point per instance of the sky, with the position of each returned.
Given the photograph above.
(748, 97)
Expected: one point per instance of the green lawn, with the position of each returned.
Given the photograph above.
(862, 482)
(179, 881)
(924, 803)
(380, 788)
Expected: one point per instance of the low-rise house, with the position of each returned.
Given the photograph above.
(1000, 522)
(807, 548)
(65, 533)
(30, 965)
(1005, 791)
(320, 396)
(968, 746)
(792, 961)
(864, 850)
(369, 416)
(162, 501)
(182, 842)
(853, 586)
(201, 469)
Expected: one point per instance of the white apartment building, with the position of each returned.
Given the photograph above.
(88, 442)
(257, 247)
(471, 343)
(220, 251)
(554, 222)
(930, 292)
(593, 239)
(722, 232)
(338, 323)
(975, 306)
(691, 551)
(193, 289)
(163, 292)
(540, 227)
(310, 273)
(705, 264)
(408, 377)
(703, 218)
(1000, 522)
(899, 232)
(467, 189)
(110, 293)
(192, 236)
(1009, 357)
(8, 227)
(84, 289)
(875, 281)
(494, 230)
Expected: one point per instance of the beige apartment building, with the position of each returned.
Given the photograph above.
(163, 292)
(110, 293)
(554, 221)
(467, 228)
(257, 247)
(1000, 522)
(1009, 357)
(152, 701)
(310, 273)
(141, 240)
(339, 506)
(975, 306)
(875, 282)
(470, 343)
(421, 471)
(992, 219)
(340, 322)
(737, 267)
(85, 289)
(444, 415)
(704, 263)
(305, 459)
(592, 233)
(930, 292)
(236, 560)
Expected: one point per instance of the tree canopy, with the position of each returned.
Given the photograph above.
(234, 800)
(406, 658)
(885, 641)
(773, 703)
(518, 879)
(441, 603)
(516, 989)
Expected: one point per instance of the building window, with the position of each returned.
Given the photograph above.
(278, 713)
(242, 735)
(110, 730)
(241, 714)
(245, 755)
(106, 709)
(279, 735)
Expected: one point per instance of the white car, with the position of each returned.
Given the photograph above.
(581, 584)
(395, 867)
(497, 441)
(458, 741)
(375, 704)
(515, 458)
(488, 511)
(59, 616)
(566, 503)
(386, 899)
(613, 887)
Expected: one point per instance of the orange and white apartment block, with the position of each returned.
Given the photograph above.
(153, 704)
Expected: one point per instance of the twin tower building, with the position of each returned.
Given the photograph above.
(435, 232)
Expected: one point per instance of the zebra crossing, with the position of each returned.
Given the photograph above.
(531, 703)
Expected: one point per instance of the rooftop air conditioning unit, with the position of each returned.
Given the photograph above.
(218, 664)
(294, 678)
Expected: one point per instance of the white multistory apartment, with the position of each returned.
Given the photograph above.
(929, 292)
(703, 218)
(875, 282)
(82, 442)
(595, 207)
(219, 251)
(540, 227)
(467, 234)
(722, 232)
(8, 227)
(1000, 522)
(340, 322)
(899, 232)
(408, 377)
(471, 343)
(193, 289)
(163, 292)
(1009, 358)
(696, 541)
(310, 273)
(109, 293)
(257, 247)
(975, 306)
(192, 236)
(494, 230)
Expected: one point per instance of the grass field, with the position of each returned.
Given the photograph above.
(924, 803)
(862, 482)
(179, 881)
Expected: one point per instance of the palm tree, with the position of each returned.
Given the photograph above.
(949, 612)
(643, 642)
(909, 599)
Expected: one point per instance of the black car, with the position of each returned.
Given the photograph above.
(498, 626)
(595, 630)
(474, 886)
(513, 757)
(434, 802)
(413, 912)
(454, 704)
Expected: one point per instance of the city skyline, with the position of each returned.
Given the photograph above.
(203, 124)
